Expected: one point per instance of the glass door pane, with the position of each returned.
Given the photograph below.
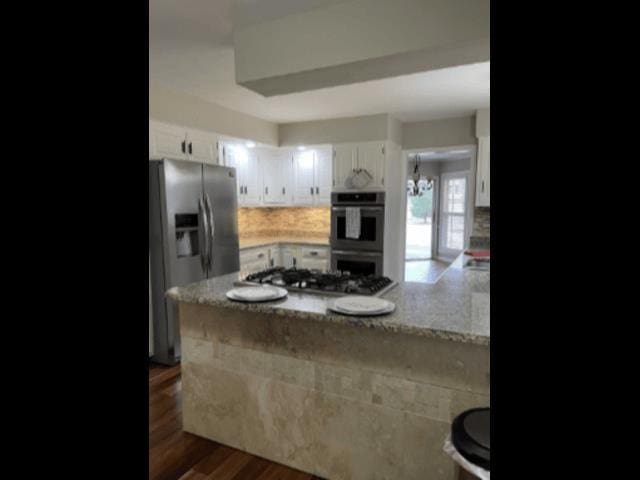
(453, 215)
(419, 225)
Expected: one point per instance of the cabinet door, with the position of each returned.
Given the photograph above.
(168, 141)
(314, 264)
(323, 176)
(343, 164)
(288, 255)
(252, 175)
(232, 158)
(303, 178)
(483, 173)
(275, 257)
(276, 168)
(201, 147)
(254, 260)
(371, 157)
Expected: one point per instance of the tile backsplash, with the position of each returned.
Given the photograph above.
(482, 222)
(284, 221)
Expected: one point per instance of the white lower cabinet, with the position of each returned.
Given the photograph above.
(275, 256)
(253, 260)
(288, 257)
(314, 264)
(283, 255)
(314, 258)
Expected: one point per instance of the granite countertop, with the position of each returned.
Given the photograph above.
(264, 241)
(455, 308)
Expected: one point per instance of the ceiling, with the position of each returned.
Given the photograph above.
(191, 50)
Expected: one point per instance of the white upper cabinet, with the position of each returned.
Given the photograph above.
(323, 176)
(167, 141)
(344, 163)
(303, 178)
(312, 176)
(178, 142)
(351, 157)
(248, 174)
(266, 176)
(202, 147)
(252, 179)
(276, 177)
(371, 157)
(230, 158)
(483, 173)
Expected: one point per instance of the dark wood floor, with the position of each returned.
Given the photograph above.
(174, 454)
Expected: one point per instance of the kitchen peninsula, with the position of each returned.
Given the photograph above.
(338, 396)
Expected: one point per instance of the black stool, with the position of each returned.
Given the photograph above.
(470, 436)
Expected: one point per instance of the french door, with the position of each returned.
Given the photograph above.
(453, 214)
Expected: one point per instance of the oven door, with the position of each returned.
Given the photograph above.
(371, 229)
(357, 263)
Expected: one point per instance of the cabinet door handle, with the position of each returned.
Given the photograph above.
(311, 190)
(184, 146)
(266, 190)
(482, 186)
(190, 149)
(283, 190)
(317, 191)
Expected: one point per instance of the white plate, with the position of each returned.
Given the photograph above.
(386, 311)
(361, 304)
(256, 294)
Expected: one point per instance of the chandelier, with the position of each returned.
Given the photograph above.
(418, 184)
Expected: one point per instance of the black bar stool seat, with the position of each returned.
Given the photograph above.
(470, 435)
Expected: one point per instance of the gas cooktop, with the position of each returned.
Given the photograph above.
(315, 281)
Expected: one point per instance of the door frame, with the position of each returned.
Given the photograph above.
(467, 218)
(404, 171)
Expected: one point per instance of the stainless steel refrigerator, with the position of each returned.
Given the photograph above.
(193, 235)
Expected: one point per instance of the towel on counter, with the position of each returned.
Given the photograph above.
(352, 222)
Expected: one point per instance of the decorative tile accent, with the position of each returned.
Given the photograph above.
(431, 401)
(482, 222)
(284, 221)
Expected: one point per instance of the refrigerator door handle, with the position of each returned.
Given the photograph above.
(212, 229)
(204, 248)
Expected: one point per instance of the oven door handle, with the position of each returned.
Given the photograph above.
(364, 209)
(356, 253)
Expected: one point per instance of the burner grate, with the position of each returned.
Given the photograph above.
(320, 282)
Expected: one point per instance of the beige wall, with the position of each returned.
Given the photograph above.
(439, 133)
(394, 130)
(167, 105)
(483, 122)
(335, 130)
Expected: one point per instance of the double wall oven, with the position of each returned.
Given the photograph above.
(362, 255)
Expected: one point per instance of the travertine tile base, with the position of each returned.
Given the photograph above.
(337, 401)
